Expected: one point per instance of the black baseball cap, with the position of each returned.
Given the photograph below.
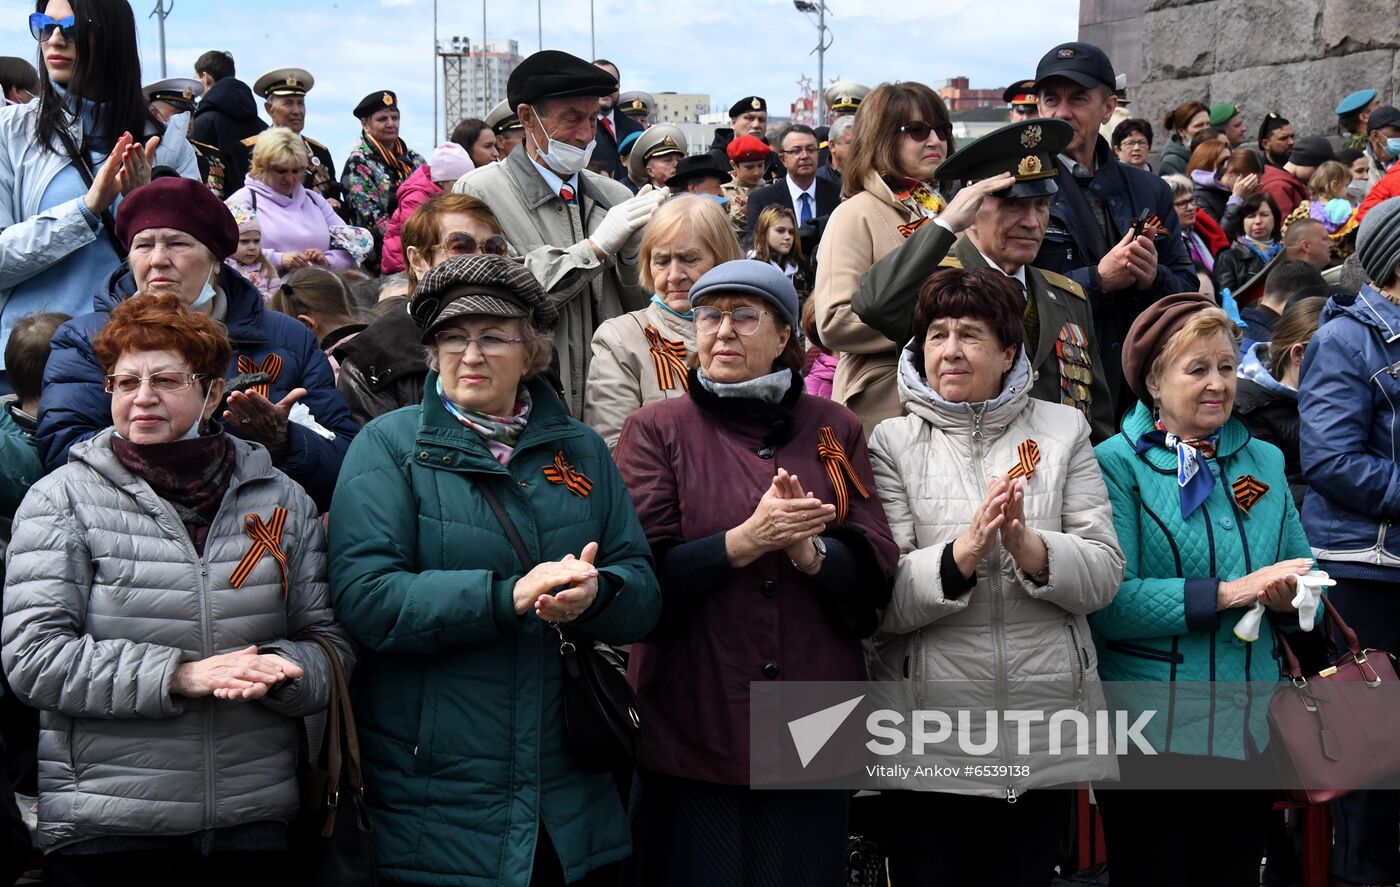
(1083, 63)
(1385, 115)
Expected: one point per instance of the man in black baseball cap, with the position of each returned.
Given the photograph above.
(1010, 178)
(578, 232)
(1095, 214)
(1383, 138)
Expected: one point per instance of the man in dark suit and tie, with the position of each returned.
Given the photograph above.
(811, 199)
(612, 129)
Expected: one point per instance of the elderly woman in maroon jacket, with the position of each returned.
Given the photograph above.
(774, 557)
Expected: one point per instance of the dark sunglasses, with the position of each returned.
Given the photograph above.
(458, 244)
(919, 131)
(42, 27)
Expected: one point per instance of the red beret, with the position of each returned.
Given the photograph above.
(1150, 333)
(183, 204)
(746, 148)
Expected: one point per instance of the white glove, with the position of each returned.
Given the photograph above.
(627, 219)
(1306, 602)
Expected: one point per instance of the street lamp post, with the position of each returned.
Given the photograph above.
(824, 41)
(159, 14)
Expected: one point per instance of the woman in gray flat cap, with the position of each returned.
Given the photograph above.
(470, 776)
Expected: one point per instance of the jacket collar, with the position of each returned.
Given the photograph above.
(875, 186)
(958, 418)
(1368, 307)
(1254, 369)
(670, 326)
(439, 431)
(536, 190)
(1139, 421)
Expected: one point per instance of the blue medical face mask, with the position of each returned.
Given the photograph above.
(206, 295)
(1392, 147)
(193, 431)
(720, 199)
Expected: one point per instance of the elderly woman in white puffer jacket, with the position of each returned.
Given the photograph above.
(1007, 542)
(159, 590)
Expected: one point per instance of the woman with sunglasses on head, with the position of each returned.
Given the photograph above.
(774, 559)
(383, 368)
(178, 234)
(902, 135)
(640, 357)
(67, 159)
(164, 644)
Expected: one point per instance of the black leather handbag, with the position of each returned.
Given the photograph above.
(601, 718)
(333, 836)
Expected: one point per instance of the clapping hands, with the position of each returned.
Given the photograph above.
(1002, 515)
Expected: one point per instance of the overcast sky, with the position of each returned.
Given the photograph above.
(728, 48)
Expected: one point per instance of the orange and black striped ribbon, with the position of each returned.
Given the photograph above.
(1248, 490)
(1029, 454)
(272, 365)
(669, 356)
(913, 226)
(839, 470)
(267, 539)
(561, 472)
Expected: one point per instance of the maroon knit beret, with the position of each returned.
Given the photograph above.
(1152, 330)
(183, 204)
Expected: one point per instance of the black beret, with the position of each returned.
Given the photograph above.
(1272, 121)
(550, 73)
(375, 102)
(698, 166)
(747, 104)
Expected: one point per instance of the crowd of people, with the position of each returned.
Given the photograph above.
(827, 404)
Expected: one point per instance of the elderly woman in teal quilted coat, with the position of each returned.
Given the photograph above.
(459, 699)
(1200, 554)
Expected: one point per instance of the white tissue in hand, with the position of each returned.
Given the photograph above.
(1306, 601)
(302, 416)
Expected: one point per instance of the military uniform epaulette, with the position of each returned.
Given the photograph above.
(313, 142)
(1059, 281)
(204, 145)
(949, 261)
(250, 141)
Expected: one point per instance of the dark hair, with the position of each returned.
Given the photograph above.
(1290, 277)
(1209, 134)
(1181, 115)
(217, 63)
(1251, 206)
(149, 322)
(1207, 157)
(1295, 326)
(598, 63)
(1127, 128)
(27, 352)
(875, 145)
(800, 128)
(15, 72)
(108, 72)
(1348, 156)
(467, 131)
(1244, 161)
(807, 319)
(983, 293)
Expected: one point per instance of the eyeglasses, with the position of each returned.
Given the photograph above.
(42, 27)
(458, 244)
(1134, 144)
(919, 131)
(1184, 202)
(161, 383)
(745, 320)
(489, 346)
(799, 152)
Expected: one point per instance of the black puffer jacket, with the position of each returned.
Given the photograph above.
(226, 116)
(1269, 409)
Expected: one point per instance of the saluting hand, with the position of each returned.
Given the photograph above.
(961, 212)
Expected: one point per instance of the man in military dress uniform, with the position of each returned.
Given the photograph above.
(637, 105)
(1004, 233)
(283, 91)
(843, 98)
(747, 117)
(176, 95)
(507, 127)
(1022, 98)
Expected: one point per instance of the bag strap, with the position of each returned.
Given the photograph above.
(341, 741)
(512, 534)
(1329, 615)
(80, 160)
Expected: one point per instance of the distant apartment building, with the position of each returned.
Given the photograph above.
(474, 76)
(959, 96)
(679, 107)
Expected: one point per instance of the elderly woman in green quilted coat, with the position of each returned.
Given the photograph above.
(1199, 555)
(468, 771)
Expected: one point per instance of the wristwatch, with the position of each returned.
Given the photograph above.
(811, 566)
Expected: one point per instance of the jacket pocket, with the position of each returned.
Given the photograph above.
(1140, 652)
(1078, 665)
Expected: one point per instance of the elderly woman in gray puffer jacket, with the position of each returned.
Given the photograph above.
(1007, 542)
(156, 588)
